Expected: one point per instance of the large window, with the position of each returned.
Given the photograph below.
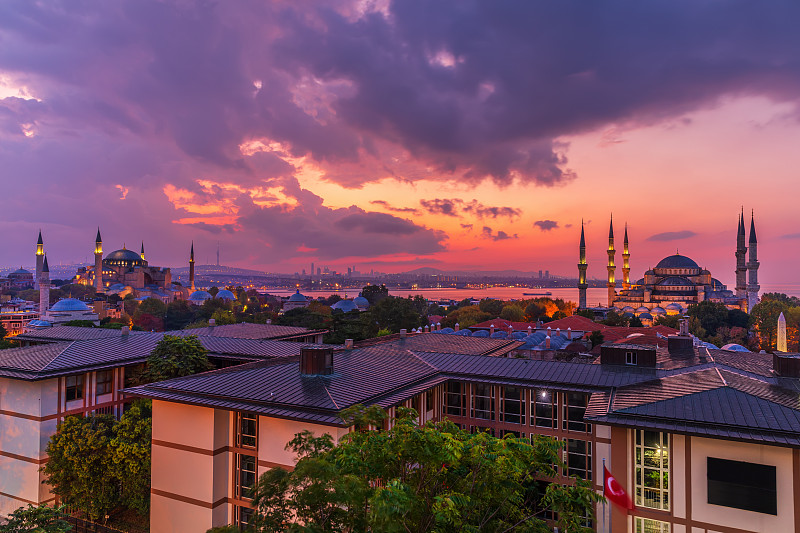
(543, 408)
(645, 525)
(455, 399)
(74, 388)
(513, 405)
(579, 459)
(483, 401)
(748, 486)
(574, 409)
(246, 430)
(243, 516)
(104, 379)
(651, 460)
(245, 475)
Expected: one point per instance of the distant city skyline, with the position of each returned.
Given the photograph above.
(392, 140)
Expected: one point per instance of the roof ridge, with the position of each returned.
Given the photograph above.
(328, 392)
(60, 352)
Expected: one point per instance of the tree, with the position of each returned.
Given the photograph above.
(395, 313)
(671, 321)
(40, 519)
(596, 338)
(465, 317)
(765, 319)
(512, 313)
(586, 313)
(491, 306)
(130, 454)
(711, 315)
(435, 477)
(374, 293)
(79, 465)
(634, 322)
(179, 314)
(534, 311)
(79, 323)
(174, 357)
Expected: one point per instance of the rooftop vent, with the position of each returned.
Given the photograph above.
(348, 344)
(316, 361)
(212, 322)
(680, 345)
(786, 364)
(628, 355)
(126, 330)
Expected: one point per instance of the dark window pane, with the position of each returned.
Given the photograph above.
(742, 485)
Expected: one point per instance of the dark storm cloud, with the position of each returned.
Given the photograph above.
(671, 236)
(546, 225)
(143, 93)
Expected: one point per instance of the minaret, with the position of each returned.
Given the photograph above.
(582, 285)
(782, 333)
(752, 268)
(98, 263)
(191, 269)
(39, 259)
(141, 254)
(611, 267)
(626, 262)
(44, 289)
(741, 257)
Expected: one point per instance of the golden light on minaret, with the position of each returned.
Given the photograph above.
(611, 267)
(40, 245)
(626, 262)
(98, 262)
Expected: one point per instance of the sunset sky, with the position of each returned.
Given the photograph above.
(453, 134)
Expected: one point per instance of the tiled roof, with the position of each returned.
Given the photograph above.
(437, 342)
(246, 330)
(71, 333)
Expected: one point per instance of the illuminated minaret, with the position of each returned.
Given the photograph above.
(141, 254)
(191, 269)
(44, 289)
(611, 267)
(741, 258)
(98, 263)
(752, 268)
(582, 285)
(626, 262)
(39, 259)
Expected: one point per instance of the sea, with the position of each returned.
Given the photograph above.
(594, 296)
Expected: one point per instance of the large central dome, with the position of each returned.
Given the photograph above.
(124, 257)
(677, 261)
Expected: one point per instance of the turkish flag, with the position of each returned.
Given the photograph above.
(614, 492)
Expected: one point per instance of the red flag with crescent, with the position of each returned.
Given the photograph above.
(614, 492)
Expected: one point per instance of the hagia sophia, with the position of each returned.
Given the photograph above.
(676, 282)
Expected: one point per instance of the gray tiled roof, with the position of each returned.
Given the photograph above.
(246, 330)
(71, 333)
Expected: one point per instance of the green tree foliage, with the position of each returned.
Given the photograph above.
(80, 323)
(614, 319)
(213, 291)
(534, 311)
(80, 465)
(670, 321)
(513, 313)
(586, 313)
(465, 317)
(634, 322)
(395, 313)
(374, 293)
(179, 315)
(435, 477)
(765, 319)
(596, 338)
(175, 357)
(711, 315)
(36, 519)
(491, 306)
(305, 317)
(101, 466)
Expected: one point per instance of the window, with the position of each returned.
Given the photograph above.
(741, 485)
(515, 434)
(630, 358)
(479, 429)
(74, 388)
(579, 459)
(245, 475)
(645, 525)
(429, 395)
(544, 511)
(246, 430)
(574, 408)
(243, 516)
(455, 399)
(543, 408)
(651, 460)
(415, 404)
(104, 379)
(513, 405)
(483, 401)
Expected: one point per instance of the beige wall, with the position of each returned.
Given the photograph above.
(702, 511)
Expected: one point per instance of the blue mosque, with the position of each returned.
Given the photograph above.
(677, 281)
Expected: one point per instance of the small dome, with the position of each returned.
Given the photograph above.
(628, 309)
(361, 302)
(657, 311)
(481, 333)
(645, 316)
(627, 315)
(735, 348)
(674, 307)
(640, 282)
(677, 261)
(200, 296)
(297, 297)
(70, 304)
(39, 324)
(225, 294)
(643, 309)
(345, 306)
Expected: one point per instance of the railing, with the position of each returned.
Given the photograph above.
(79, 525)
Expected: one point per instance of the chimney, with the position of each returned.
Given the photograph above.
(126, 330)
(547, 341)
(683, 326)
(269, 321)
(558, 332)
(212, 322)
(348, 344)
(491, 330)
(403, 334)
(438, 326)
(457, 326)
(316, 361)
(510, 331)
(427, 329)
(569, 333)
(549, 331)
(530, 330)
(680, 345)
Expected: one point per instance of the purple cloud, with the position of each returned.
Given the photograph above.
(487, 233)
(671, 236)
(546, 225)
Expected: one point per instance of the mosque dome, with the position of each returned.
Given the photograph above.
(124, 257)
(674, 308)
(297, 297)
(361, 302)
(20, 272)
(200, 296)
(657, 311)
(69, 304)
(645, 316)
(225, 294)
(735, 348)
(345, 306)
(628, 309)
(643, 309)
(677, 261)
